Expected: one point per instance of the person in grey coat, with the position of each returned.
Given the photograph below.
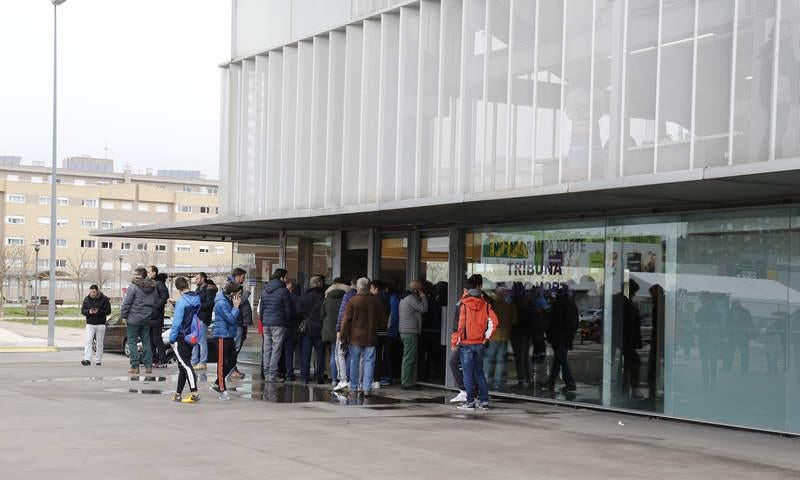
(411, 309)
(137, 310)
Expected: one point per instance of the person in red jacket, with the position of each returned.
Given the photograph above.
(477, 322)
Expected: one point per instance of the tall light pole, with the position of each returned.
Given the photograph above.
(51, 304)
(36, 247)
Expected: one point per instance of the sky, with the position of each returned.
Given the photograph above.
(138, 77)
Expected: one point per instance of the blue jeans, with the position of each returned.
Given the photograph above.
(310, 343)
(369, 366)
(289, 347)
(200, 351)
(496, 354)
(331, 347)
(560, 363)
(271, 351)
(472, 364)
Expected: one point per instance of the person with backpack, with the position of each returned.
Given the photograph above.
(477, 323)
(207, 292)
(226, 316)
(185, 330)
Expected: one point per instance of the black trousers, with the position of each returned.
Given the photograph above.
(226, 360)
(159, 349)
(455, 369)
(183, 352)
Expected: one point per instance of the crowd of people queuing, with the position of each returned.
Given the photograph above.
(362, 326)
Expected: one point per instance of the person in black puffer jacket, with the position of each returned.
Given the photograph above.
(310, 309)
(157, 320)
(276, 312)
(96, 307)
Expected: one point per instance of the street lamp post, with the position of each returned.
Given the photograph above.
(36, 247)
(51, 305)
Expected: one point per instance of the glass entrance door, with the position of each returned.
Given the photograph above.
(434, 254)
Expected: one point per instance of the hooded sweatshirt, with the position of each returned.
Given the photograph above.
(140, 302)
(181, 320)
(330, 313)
(277, 306)
(245, 309)
(163, 295)
(477, 321)
(226, 316)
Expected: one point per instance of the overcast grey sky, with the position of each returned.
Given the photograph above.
(137, 76)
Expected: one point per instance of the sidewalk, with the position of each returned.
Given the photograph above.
(22, 335)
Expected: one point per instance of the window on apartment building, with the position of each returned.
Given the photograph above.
(45, 242)
(88, 264)
(143, 207)
(89, 203)
(61, 243)
(44, 262)
(126, 267)
(203, 249)
(102, 182)
(37, 180)
(205, 209)
(62, 222)
(44, 220)
(12, 178)
(126, 224)
(107, 205)
(15, 241)
(219, 250)
(125, 246)
(106, 225)
(88, 223)
(162, 208)
(88, 243)
(80, 182)
(15, 198)
(62, 202)
(61, 263)
(187, 189)
(127, 205)
(44, 200)
(161, 247)
(183, 208)
(107, 245)
(15, 220)
(183, 249)
(216, 210)
(142, 247)
(106, 266)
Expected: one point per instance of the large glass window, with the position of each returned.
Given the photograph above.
(433, 271)
(393, 264)
(543, 281)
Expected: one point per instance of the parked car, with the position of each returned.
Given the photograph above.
(116, 338)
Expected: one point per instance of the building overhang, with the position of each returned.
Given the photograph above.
(751, 184)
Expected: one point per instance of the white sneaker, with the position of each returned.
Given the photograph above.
(376, 385)
(461, 397)
(224, 396)
(343, 384)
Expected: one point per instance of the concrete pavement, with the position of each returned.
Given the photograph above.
(62, 420)
(16, 334)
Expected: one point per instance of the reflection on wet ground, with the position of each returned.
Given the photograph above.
(108, 379)
(143, 391)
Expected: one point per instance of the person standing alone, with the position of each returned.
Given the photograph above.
(96, 307)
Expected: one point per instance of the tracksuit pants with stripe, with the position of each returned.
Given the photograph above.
(226, 360)
(183, 351)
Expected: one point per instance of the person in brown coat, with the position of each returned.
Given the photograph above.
(363, 317)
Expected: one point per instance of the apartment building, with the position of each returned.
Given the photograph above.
(92, 196)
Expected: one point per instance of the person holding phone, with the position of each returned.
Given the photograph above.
(226, 313)
(96, 307)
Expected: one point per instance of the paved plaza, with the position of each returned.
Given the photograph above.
(62, 420)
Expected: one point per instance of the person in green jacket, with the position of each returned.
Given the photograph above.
(329, 315)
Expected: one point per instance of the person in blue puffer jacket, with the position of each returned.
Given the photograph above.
(186, 309)
(224, 328)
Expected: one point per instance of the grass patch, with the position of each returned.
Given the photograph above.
(60, 322)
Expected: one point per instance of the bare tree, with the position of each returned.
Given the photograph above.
(146, 258)
(80, 273)
(19, 266)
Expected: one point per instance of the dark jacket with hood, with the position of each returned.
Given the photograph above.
(277, 306)
(157, 319)
(564, 322)
(311, 308)
(330, 313)
(245, 309)
(103, 306)
(207, 294)
(140, 302)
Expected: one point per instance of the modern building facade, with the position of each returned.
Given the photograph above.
(92, 196)
(642, 154)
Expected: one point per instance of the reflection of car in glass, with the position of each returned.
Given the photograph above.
(590, 325)
(116, 339)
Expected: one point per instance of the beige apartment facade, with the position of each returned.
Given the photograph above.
(89, 200)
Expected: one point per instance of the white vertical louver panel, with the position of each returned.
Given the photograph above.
(224, 142)
(248, 138)
(387, 108)
(521, 71)
(274, 129)
(319, 123)
(258, 193)
(449, 98)
(407, 103)
(305, 66)
(370, 89)
(496, 88)
(472, 114)
(288, 119)
(335, 120)
(352, 113)
(427, 96)
(234, 132)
